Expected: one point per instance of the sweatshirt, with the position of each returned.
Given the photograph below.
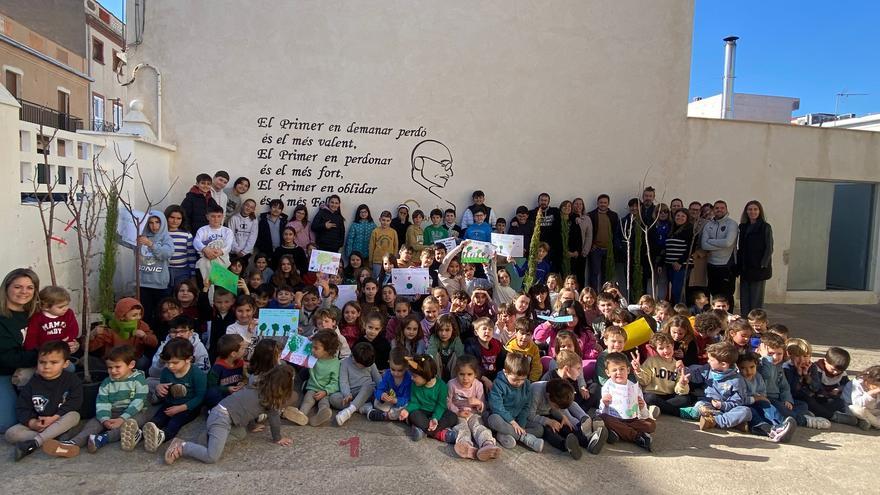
(200, 356)
(382, 348)
(401, 390)
(659, 376)
(244, 233)
(433, 234)
(124, 398)
(755, 386)
(195, 208)
(110, 338)
(447, 356)
(41, 397)
(774, 377)
(511, 403)
(12, 352)
(824, 385)
(196, 383)
(324, 376)
(43, 327)
(719, 239)
(624, 402)
(415, 239)
(358, 238)
(534, 355)
(855, 393)
(382, 241)
(184, 255)
(221, 237)
(431, 400)
(353, 377)
(244, 407)
(458, 398)
(225, 374)
(154, 259)
(725, 386)
(479, 232)
(491, 357)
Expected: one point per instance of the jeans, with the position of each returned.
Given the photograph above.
(797, 412)
(736, 416)
(668, 404)
(677, 278)
(94, 427)
(421, 419)
(557, 438)
(218, 425)
(751, 295)
(498, 425)
(21, 433)
(8, 398)
(171, 425)
(628, 429)
(722, 282)
(764, 412)
(596, 260)
(178, 275)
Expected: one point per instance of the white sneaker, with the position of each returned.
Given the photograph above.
(587, 426)
(654, 411)
(344, 415)
(153, 437)
(130, 435)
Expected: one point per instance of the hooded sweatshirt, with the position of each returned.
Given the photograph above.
(725, 386)
(154, 259)
(195, 208)
(111, 337)
(511, 403)
(777, 385)
(244, 232)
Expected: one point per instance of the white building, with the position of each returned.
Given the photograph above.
(870, 122)
(756, 108)
(105, 36)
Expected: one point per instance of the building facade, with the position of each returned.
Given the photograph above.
(105, 34)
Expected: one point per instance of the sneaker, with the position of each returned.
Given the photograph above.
(262, 417)
(377, 415)
(689, 413)
(465, 450)
(613, 437)
(773, 434)
(178, 390)
(654, 411)
(822, 423)
(863, 424)
(532, 442)
(171, 453)
(295, 416)
(573, 447)
(344, 415)
(506, 441)
(95, 442)
(322, 417)
(24, 449)
(707, 422)
(764, 430)
(416, 434)
(130, 435)
(365, 409)
(488, 451)
(597, 441)
(447, 435)
(645, 441)
(587, 426)
(844, 419)
(783, 433)
(55, 448)
(153, 437)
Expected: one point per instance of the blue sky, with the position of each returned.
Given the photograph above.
(808, 49)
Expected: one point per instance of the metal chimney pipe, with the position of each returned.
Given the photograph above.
(727, 87)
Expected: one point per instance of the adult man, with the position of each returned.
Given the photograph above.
(719, 240)
(549, 228)
(648, 196)
(329, 226)
(606, 235)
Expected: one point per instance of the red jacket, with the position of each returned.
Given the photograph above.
(43, 328)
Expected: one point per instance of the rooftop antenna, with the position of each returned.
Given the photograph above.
(843, 94)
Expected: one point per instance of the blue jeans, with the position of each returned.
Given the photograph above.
(765, 412)
(596, 260)
(797, 412)
(8, 397)
(736, 416)
(677, 279)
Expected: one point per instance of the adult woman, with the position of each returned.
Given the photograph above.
(753, 256)
(698, 276)
(678, 252)
(301, 227)
(18, 301)
(329, 226)
(584, 228)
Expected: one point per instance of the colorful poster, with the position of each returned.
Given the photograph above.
(624, 399)
(222, 277)
(449, 242)
(411, 281)
(508, 245)
(298, 351)
(477, 252)
(278, 322)
(324, 262)
(347, 293)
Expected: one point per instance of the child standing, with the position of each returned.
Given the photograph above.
(120, 409)
(182, 390)
(393, 390)
(726, 391)
(156, 248)
(383, 241)
(862, 396)
(436, 230)
(197, 202)
(360, 232)
(357, 381)
(522, 343)
(509, 402)
(182, 263)
(465, 399)
(213, 242)
(415, 236)
(48, 405)
(623, 408)
(426, 411)
(237, 411)
(323, 378)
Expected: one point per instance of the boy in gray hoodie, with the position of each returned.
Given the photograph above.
(155, 248)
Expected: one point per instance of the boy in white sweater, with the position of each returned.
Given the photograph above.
(213, 242)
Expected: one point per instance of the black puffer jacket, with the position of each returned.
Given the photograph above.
(329, 239)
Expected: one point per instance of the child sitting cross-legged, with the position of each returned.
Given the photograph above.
(180, 326)
(120, 409)
(426, 411)
(181, 389)
(238, 410)
(663, 378)
(827, 381)
(566, 426)
(862, 396)
(357, 381)
(227, 375)
(509, 402)
(48, 406)
(393, 390)
(772, 349)
(766, 420)
(623, 409)
(466, 399)
(323, 381)
(724, 405)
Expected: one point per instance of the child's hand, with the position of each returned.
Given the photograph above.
(112, 424)
(140, 333)
(46, 421)
(606, 399)
(389, 399)
(517, 428)
(717, 404)
(684, 378)
(679, 365)
(554, 425)
(641, 402)
(874, 391)
(285, 442)
(236, 387)
(320, 395)
(566, 422)
(162, 389)
(788, 405)
(432, 425)
(585, 393)
(35, 424)
(636, 364)
(173, 410)
(403, 414)
(73, 345)
(347, 400)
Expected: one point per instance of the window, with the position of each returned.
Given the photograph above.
(116, 62)
(97, 112)
(13, 83)
(117, 115)
(98, 51)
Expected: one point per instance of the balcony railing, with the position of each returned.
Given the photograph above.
(38, 114)
(104, 126)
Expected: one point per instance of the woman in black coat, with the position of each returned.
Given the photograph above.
(329, 226)
(753, 256)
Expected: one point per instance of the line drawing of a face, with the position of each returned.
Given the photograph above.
(431, 165)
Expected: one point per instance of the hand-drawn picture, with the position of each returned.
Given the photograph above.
(432, 167)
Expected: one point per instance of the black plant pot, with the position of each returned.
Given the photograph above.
(90, 392)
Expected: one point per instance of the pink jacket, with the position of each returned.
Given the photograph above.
(304, 235)
(587, 340)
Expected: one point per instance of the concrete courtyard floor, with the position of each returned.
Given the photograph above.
(686, 460)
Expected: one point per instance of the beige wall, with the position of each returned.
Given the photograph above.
(572, 97)
(41, 80)
(105, 82)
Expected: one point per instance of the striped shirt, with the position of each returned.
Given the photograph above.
(125, 397)
(184, 254)
(677, 250)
